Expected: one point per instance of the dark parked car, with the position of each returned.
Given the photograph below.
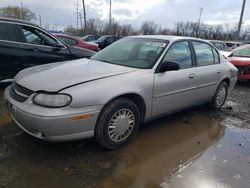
(23, 44)
(90, 38)
(106, 40)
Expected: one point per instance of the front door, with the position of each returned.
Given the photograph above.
(41, 48)
(175, 90)
(12, 53)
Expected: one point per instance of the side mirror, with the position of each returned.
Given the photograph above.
(59, 45)
(169, 66)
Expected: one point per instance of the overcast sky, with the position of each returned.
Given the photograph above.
(162, 12)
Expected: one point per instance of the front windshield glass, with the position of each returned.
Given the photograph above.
(241, 52)
(132, 52)
(101, 39)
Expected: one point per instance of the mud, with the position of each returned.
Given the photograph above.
(194, 148)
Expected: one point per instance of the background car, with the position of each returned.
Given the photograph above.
(240, 58)
(23, 44)
(78, 42)
(233, 44)
(106, 40)
(108, 96)
(220, 45)
(91, 38)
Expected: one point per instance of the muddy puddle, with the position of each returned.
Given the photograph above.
(189, 149)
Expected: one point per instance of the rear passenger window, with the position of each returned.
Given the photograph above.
(8, 32)
(180, 52)
(204, 53)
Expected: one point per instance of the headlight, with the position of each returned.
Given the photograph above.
(52, 100)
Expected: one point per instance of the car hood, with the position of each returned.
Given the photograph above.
(56, 76)
(239, 61)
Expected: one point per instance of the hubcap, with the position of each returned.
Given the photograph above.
(121, 125)
(221, 96)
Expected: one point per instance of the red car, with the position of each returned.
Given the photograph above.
(75, 41)
(240, 58)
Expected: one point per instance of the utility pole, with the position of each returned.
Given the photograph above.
(84, 15)
(110, 17)
(22, 12)
(40, 20)
(240, 21)
(77, 18)
(199, 22)
(80, 16)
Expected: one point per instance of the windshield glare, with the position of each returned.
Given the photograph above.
(132, 52)
(101, 39)
(241, 52)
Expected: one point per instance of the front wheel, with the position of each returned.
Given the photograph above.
(220, 96)
(117, 124)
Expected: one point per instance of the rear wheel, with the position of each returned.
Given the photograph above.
(220, 96)
(117, 124)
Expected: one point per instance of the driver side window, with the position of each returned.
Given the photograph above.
(34, 36)
(180, 52)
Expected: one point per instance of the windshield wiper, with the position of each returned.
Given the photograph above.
(106, 61)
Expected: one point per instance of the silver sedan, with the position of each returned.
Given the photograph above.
(132, 81)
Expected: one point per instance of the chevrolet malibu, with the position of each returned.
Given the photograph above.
(107, 97)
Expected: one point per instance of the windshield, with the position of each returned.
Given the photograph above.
(101, 38)
(132, 52)
(242, 52)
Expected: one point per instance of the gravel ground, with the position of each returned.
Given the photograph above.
(175, 151)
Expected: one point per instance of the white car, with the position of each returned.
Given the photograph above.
(132, 81)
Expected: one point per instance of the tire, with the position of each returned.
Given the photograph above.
(120, 117)
(220, 96)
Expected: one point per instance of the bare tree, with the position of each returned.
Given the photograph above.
(148, 28)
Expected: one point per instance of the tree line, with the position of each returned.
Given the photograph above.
(99, 27)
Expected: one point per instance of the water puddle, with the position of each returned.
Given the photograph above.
(198, 154)
(185, 150)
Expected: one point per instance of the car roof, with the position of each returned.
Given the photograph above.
(166, 37)
(12, 20)
(219, 41)
(244, 46)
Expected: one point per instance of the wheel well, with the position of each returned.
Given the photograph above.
(227, 81)
(138, 100)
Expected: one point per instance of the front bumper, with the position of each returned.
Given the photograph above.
(243, 72)
(57, 125)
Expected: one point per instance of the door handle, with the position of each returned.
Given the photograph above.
(191, 76)
(218, 71)
(33, 49)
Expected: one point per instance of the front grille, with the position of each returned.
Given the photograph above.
(19, 92)
(22, 89)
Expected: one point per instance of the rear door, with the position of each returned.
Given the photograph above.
(175, 90)
(12, 53)
(208, 68)
(41, 48)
